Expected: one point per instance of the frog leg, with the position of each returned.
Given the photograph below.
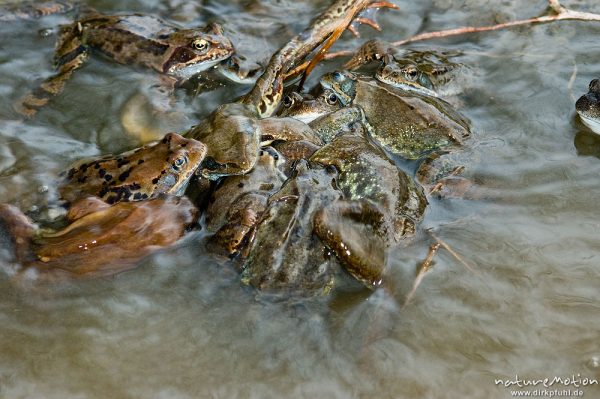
(362, 19)
(343, 227)
(85, 206)
(333, 124)
(21, 231)
(71, 55)
(440, 174)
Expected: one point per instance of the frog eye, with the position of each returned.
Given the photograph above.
(331, 98)
(200, 45)
(337, 75)
(412, 73)
(288, 101)
(178, 163)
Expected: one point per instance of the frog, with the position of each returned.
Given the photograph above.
(282, 252)
(588, 106)
(234, 134)
(161, 167)
(174, 53)
(380, 201)
(238, 203)
(101, 239)
(426, 72)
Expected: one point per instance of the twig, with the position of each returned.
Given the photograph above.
(562, 13)
(453, 253)
(421, 270)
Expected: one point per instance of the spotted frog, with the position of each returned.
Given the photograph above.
(101, 239)
(133, 39)
(163, 167)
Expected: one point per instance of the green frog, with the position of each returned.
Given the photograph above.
(162, 167)
(283, 253)
(135, 39)
(426, 72)
(381, 205)
(588, 106)
(238, 203)
(101, 239)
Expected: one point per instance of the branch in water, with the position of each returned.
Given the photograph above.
(561, 14)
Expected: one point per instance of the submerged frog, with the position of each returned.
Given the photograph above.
(102, 240)
(426, 72)
(239, 202)
(381, 205)
(24, 10)
(163, 167)
(588, 106)
(134, 39)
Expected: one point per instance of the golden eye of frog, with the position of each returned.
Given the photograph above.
(162, 167)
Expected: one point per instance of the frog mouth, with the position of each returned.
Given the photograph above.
(184, 63)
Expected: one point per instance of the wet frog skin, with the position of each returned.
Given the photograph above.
(283, 252)
(379, 201)
(163, 167)
(103, 240)
(134, 39)
(239, 202)
(588, 106)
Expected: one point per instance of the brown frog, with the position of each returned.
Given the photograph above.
(239, 202)
(102, 239)
(163, 167)
(133, 39)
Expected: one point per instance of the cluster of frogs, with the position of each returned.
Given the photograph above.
(289, 198)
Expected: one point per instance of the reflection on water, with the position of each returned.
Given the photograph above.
(182, 325)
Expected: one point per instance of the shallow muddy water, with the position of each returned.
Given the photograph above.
(182, 325)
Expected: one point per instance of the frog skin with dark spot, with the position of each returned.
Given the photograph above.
(101, 239)
(238, 203)
(588, 106)
(283, 253)
(135, 39)
(381, 205)
(163, 167)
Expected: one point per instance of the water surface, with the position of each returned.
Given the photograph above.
(182, 326)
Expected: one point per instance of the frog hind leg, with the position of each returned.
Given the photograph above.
(342, 228)
(71, 55)
(440, 175)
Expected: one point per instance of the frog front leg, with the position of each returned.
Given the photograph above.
(71, 54)
(440, 174)
(355, 232)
